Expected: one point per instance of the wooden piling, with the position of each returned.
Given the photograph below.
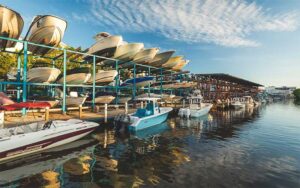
(47, 114)
(126, 108)
(105, 113)
(80, 111)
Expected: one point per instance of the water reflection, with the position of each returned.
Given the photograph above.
(222, 149)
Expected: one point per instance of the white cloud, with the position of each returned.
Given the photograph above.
(223, 22)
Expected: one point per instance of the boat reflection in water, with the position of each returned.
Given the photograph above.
(46, 168)
(210, 146)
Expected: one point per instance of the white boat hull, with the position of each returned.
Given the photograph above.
(43, 75)
(104, 77)
(11, 26)
(106, 46)
(126, 52)
(104, 99)
(75, 101)
(198, 112)
(25, 143)
(145, 56)
(76, 78)
(46, 30)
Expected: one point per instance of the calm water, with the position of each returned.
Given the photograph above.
(250, 148)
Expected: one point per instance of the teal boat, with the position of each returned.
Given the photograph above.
(147, 117)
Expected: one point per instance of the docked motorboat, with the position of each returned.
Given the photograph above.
(76, 76)
(150, 95)
(196, 107)
(122, 99)
(145, 56)
(139, 82)
(172, 62)
(146, 117)
(41, 73)
(11, 26)
(105, 45)
(248, 101)
(46, 30)
(126, 52)
(236, 103)
(161, 58)
(35, 137)
(104, 77)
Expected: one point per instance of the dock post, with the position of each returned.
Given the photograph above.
(105, 113)
(80, 111)
(19, 78)
(47, 114)
(25, 77)
(64, 82)
(94, 82)
(126, 108)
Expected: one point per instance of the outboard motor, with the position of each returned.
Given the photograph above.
(121, 122)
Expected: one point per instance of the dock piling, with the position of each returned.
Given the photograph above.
(80, 111)
(105, 113)
(47, 114)
(126, 108)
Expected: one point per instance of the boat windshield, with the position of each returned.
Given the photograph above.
(147, 111)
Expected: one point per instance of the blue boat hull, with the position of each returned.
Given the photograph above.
(149, 122)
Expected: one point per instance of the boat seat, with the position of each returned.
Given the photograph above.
(141, 112)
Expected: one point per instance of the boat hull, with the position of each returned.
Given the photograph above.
(29, 143)
(139, 82)
(105, 47)
(46, 30)
(75, 101)
(76, 78)
(104, 77)
(43, 74)
(11, 26)
(126, 52)
(146, 122)
(104, 99)
(144, 56)
(161, 58)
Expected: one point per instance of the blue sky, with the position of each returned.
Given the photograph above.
(256, 40)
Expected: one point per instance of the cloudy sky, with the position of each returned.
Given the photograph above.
(257, 40)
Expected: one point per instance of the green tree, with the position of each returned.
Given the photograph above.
(297, 94)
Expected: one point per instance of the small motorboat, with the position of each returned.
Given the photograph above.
(177, 85)
(146, 117)
(35, 137)
(76, 76)
(104, 77)
(126, 52)
(161, 58)
(42, 73)
(139, 82)
(145, 56)
(74, 100)
(5, 100)
(101, 98)
(105, 45)
(46, 30)
(180, 65)
(11, 26)
(196, 107)
(122, 99)
(172, 62)
(248, 101)
(236, 103)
